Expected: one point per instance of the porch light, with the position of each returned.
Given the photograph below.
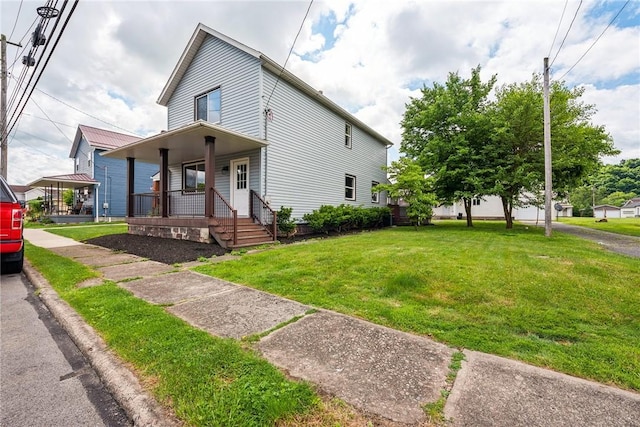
(225, 170)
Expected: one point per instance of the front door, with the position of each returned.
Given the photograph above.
(240, 185)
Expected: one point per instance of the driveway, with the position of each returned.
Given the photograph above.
(626, 245)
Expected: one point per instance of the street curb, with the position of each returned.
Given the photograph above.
(141, 408)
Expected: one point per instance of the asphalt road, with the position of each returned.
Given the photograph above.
(44, 378)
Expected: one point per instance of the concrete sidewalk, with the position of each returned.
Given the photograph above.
(381, 371)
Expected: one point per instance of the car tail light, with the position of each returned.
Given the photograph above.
(16, 219)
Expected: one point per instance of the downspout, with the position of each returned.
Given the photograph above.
(97, 185)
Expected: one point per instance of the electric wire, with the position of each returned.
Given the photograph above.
(42, 26)
(16, 21)
(596, 40)
(567, 33)
(52, 122)
(289, 55)
(18, 53)
(64, 26)
(558, 29)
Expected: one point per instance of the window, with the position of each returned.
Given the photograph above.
(89, 159)
(475, 201)
(347, 135)
(375, 195)
(349, 187)
(193, 176)
(77, 162)
(208, 106)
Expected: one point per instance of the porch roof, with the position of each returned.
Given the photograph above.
(76, 180)
(187, 143)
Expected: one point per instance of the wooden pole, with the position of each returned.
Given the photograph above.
(547, 153)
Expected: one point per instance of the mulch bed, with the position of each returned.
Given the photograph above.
(167, 251)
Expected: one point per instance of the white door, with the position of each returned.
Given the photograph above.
(240, 185)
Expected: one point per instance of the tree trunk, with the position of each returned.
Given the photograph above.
(467, 209)
(507, 208)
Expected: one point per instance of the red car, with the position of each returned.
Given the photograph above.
(11, 240)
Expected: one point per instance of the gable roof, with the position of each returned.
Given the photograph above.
(198, 37)
(100, 138)
(607, 207)
(635, 202)
(20, 188)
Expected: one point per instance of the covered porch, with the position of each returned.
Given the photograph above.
(190, 206)
(56, 209)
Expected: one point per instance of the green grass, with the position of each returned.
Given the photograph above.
(627, 226)
(562, 303)
(38, 224)
(207, 381)
(86, 232)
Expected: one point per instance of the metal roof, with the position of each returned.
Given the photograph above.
(76, 180)
(100, 138)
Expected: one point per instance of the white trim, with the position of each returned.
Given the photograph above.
(353, 188)
(233, 184)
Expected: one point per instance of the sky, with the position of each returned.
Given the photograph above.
(368, 56)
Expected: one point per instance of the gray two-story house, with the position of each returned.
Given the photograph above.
(244, 138)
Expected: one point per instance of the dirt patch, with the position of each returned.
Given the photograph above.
(167, 251)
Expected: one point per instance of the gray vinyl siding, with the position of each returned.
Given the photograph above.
(222, 181)
(218, 64)
(307, 159)
(84, 150)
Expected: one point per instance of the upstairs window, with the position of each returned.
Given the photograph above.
(347, 135)
(375, 195)
(475, 201)
(349, 187)
(208, 106)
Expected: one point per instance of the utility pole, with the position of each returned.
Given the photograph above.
(547, 153)
(3, 104)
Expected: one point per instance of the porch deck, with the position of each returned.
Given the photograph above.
(185, 219)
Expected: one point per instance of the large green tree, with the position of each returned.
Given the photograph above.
(445, 130)
(515, 149)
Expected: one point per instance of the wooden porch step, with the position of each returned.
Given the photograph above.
(249, 233)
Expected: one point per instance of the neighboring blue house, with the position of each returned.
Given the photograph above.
(243, 139)
(99, 183)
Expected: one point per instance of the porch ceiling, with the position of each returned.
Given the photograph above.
(187, 143)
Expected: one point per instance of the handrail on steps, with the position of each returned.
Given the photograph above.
(227, 216)
(263, 214)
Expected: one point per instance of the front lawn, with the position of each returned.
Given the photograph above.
(562, 303)
(628, 226)
(85, 232)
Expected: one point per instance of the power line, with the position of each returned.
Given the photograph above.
(64, 26)
(48, 120)
(52, 122)
(558, 29)
(565, 36)
(596, 40)
(290, 50)
(16, 21)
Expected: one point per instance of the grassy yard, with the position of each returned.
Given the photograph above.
(206, 381)
(85, 232)
(562, 303)
(628, 226)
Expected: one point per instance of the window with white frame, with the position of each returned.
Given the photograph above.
(208, 106)
(193, 176)
(89, 158)
(347, 135)
(475, 201)
(349, 187)
(375, 194)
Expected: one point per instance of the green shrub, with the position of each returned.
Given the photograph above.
(286, 224)
(346, 217)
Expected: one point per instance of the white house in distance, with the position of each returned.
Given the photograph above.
(606, 211)
(244, 138)
(631, 209)
(490, 207)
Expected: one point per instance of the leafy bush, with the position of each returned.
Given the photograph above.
(286, 224)
(346, 217)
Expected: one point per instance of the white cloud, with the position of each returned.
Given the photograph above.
(115, 58)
